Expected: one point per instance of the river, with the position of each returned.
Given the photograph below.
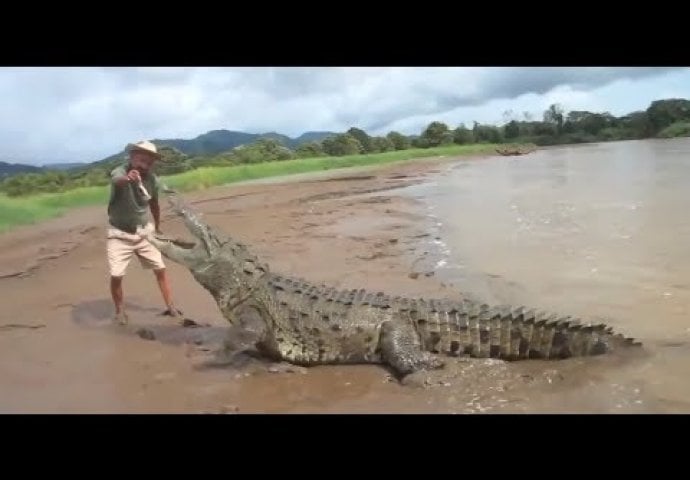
(600, 231)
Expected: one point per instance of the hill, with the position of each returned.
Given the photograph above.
(209, 143)
(219, 141)
(9, 169)
(310, 137)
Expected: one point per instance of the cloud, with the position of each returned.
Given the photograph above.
(84, 114)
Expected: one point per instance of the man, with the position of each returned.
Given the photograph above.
(127, 210)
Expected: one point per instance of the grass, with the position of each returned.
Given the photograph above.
(25, 210)
(22, 210)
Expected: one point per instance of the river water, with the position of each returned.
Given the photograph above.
(599, 231)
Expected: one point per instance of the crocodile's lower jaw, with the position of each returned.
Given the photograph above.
(178, 242)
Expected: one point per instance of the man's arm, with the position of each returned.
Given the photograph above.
(156, 212)
(154, 205)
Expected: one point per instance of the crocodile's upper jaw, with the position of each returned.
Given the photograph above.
(191, 254)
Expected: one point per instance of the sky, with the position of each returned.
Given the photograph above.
(61, 114)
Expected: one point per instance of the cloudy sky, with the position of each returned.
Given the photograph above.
(84, 114)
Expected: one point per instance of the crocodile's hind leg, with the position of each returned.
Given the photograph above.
(402, 350)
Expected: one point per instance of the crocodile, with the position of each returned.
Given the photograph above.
(302, 323)
(513, 150)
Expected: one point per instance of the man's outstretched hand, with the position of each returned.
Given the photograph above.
(145, 233)
(134, 176)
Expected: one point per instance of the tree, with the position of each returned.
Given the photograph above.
(638, 125)
(676, 129)
(436, 134)
(663, 113)
(263, 150)
(418, 142)
(382, 144)
(172, 161)
(343, 144)
(592, 123)
(310, 149)
(554, 115)
(462, 135)
(362, 138)
(400, 141)
(486, 133)
(512, 129)
(544, 128)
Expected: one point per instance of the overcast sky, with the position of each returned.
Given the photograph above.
(85, 114)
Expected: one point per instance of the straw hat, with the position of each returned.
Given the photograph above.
(144, 146)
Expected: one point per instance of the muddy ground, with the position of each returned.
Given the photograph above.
(60, 352)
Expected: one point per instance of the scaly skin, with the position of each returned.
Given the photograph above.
(301, 323)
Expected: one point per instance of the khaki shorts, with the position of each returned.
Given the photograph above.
(122, 245)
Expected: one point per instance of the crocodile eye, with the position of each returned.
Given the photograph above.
(248, 268)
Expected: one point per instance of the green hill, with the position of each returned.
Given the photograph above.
(9, 169)
(219, 141)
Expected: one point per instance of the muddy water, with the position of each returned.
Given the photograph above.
(598, 231)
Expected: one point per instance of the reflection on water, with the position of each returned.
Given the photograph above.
(599, 231)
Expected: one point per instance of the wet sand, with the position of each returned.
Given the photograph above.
(60, 352)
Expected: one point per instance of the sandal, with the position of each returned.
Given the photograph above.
(121, 318)
(185, 322)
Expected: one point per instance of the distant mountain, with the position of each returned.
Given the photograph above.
(218, 141)
(312, 137)
(209, 143)
(63, 166)
(9, 169)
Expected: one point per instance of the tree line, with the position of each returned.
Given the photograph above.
(662, 119)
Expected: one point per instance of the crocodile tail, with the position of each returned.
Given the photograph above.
(540, 335)
(516, 334)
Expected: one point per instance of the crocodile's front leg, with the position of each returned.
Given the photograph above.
(235, 349)
(401, 349)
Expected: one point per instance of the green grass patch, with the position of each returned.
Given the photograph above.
(25, 210)
(211, 176)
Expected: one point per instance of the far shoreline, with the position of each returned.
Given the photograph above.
(18, 212)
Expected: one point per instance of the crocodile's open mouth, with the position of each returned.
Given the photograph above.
(186, 244)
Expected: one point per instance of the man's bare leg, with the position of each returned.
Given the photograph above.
(118, 299)
(164, 286)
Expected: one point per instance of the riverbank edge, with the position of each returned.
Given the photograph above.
(23, 211)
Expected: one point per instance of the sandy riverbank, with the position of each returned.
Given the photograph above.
(350, 230)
